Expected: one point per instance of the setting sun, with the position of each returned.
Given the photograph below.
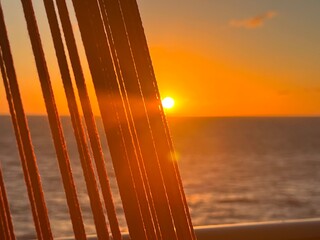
(168, 102)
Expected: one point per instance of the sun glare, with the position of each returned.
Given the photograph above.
(168, 103)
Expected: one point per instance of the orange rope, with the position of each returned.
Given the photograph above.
(86, 162)
(89, 118)
(5, 216)
(149, 182)
(55, 124)
(148, 209)
(21, 151)
(145, 139)
(113, 113)
(27, 156)
(3, 229)
(139, 48)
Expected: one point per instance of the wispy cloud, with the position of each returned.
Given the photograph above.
(254, 22)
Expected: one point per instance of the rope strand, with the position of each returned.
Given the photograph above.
(157, 120)
(138, 136)
(145, 197)
(27, 156)
(89, 118)
(54, 121)
(113, 114)
(140, 120)
(20, 149)
(5, 216)
(86, 162)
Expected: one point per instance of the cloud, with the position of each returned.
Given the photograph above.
(254, 22)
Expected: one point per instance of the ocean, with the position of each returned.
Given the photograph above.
(234, 170)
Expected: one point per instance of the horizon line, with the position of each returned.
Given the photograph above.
(193, 116)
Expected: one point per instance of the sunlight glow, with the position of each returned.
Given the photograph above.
(168, 102)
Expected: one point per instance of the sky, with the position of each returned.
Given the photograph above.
(214, 57)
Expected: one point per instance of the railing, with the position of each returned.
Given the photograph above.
(306, 229)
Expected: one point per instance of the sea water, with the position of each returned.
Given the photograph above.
(234, 170)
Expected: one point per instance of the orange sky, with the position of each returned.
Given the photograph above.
(217, 59)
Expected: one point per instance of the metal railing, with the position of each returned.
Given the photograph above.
(304, 229)
(308, 229)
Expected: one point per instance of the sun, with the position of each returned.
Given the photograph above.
(168, 102)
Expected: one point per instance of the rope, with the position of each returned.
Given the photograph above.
(54, 121)
(134, 122)
(113, 114)
(89, 118)
(20, 149)
(5, 216)
(27, 156)
(131, 83)
(4, 228)
(144, 195)
(86, 162)
(161, 136)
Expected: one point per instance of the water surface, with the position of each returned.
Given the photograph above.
(234, 170)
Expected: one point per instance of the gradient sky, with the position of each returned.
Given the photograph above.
(216, 58)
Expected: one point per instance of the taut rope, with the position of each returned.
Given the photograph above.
(54, 121)
(134, 123)
(89, 118)
(6, 226)
(27, 156)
